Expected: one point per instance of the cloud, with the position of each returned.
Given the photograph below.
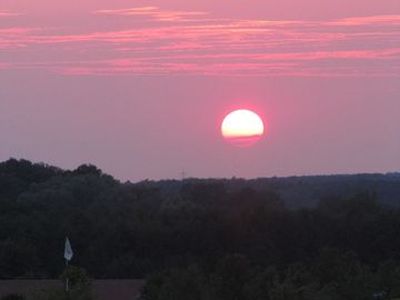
(169, 43)
(4, 66)
(7, 13)
(370, 20)
(16, 37)
(154, 13)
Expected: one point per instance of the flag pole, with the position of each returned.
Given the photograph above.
(68, 254)
(67, 279)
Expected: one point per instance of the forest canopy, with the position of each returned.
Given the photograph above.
(262, 230)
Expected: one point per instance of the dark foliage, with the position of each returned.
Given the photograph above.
(212, 239)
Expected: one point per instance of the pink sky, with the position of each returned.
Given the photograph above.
(139, 87)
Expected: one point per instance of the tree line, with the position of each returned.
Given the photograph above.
(201, 239)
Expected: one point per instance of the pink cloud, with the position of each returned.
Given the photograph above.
(152, 12)
(7, 13)
(4, 66)
(349, 47)
(388, 19)
(347, 63)
(16, 37)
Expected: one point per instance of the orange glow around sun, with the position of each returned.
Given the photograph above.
(242, 127)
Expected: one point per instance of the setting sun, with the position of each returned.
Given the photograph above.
(242, 127)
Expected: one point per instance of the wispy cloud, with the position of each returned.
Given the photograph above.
(153, 12)
(7, 13)
(170, 43)
(371, 20)
(343, 63)
(4, 66)
(16, 37)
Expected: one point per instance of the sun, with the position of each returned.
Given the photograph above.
(242, 127)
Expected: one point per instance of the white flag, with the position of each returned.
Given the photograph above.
(68, 253)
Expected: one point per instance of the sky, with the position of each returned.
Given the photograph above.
(140, 88)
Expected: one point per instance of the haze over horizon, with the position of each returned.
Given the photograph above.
(139, 89)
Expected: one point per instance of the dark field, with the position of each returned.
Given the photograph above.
(102, 289)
